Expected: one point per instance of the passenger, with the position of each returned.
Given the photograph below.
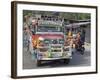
(34, 45)
(70, 38)
(33, 25)
(35, 40)
(79, 43)
(78, 37)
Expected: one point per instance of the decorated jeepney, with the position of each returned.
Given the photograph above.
(51, 42)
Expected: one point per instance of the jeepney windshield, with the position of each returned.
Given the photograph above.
(54, 41)
(57, 41)
(49, 29)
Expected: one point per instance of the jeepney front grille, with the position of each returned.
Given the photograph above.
(56, 46)
(55, 50)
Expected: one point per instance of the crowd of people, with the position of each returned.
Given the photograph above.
(76, 42)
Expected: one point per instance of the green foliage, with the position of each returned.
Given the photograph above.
(27, 13)
(67, 15)
(76, 16)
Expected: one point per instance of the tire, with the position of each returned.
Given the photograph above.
(72, 52)
(38, 62)
(82, 51)
(66, 61)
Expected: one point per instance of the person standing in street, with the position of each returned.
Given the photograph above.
(82, 39)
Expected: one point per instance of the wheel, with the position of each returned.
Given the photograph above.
(38, 62)
(82, 50)
(66, 61)
(72, 52)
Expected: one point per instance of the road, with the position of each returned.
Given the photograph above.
(77, 60)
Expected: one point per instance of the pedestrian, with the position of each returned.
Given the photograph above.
(26, 36)
(30, 46)
(83, 36)
(33, 25)
(82, 39)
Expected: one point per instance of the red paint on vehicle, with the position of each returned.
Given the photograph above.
(51, 36)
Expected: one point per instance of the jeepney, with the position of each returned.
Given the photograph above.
(52, 37)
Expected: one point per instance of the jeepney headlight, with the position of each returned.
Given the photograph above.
(41, 38)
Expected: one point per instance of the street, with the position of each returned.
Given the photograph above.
(61, 28)
(77, 60)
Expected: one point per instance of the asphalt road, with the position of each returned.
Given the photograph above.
(77, 60)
